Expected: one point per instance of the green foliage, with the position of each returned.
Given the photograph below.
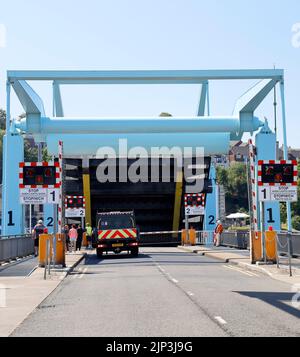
(283, 214)
(30, 152)
(296, 222)
(234, 180)
(46, 156)
(2, 119)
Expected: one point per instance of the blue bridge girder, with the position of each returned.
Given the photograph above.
(83, 135)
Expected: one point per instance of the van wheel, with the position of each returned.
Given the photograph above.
(99, 253)
(135, 252)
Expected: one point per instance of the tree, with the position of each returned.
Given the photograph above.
(296, 222)
(2, 119)
(165, 115)
(30, 150)
(234, 180)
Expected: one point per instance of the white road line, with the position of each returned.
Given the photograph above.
(82, 274)
(190, 293)
(248, 272)
(220, 320)
(238, 270)
(175, 281)
(32, 271)
(76, 274)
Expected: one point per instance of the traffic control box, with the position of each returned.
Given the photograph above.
(60, 257)
(256, 248)
(271, 246)
(43, 242)
(191, 240)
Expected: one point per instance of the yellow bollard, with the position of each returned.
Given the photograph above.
(256, 251)
(183, 237)
(271, 246)
(43, 239)
(192, 235)
(60, 258)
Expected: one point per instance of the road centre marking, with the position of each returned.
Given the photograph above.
(240, 270)
(220, 320)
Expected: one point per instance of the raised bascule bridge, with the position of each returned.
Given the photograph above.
(158, 205)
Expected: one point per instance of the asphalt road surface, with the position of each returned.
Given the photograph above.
(164, 292)
(23, 267)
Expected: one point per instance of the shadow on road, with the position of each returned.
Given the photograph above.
(149, 259)
(280, 300)
(118, 259)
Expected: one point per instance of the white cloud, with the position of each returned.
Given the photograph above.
(296, 36)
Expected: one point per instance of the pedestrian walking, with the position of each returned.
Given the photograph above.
(36, 232)
(89, 236)
(218, 232)
(80, 232)
(67, 238)
(73, 238)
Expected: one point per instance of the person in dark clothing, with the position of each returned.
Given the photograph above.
(37, 231)
(80, 232)
(67, 238)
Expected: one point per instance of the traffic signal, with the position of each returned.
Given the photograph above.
(75, 202)
(277, 173)
(39, 175)
(195, 200)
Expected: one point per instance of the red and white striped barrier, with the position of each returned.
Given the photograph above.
(159, 233)
(60, 208)
(253, 187)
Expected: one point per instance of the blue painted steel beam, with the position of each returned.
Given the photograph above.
(29, 99)
(89, 144)
(143, 125)
(58, 110)
(285, 150)
(203, 100)
(251, 100)
(146, 77)
(265, 142)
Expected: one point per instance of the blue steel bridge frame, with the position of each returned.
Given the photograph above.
(212, 133)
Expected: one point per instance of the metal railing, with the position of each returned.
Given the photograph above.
(13, 247)
(239, 240)
(283, 246)
(205, 238)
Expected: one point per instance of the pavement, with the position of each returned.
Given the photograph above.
(241, 258)
(23, 289)
(165, 292)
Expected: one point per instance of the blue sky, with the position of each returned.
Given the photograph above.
(156, 34)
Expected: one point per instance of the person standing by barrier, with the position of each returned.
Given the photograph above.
(80, 232)
(36, 232)
(67, 238)
(218, 232)
(89, 235)
(73, 238)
